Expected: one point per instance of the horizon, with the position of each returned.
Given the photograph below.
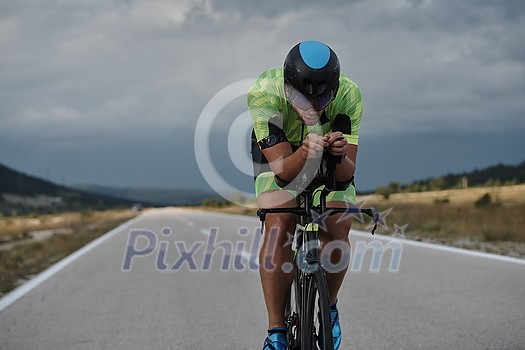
(79, 186)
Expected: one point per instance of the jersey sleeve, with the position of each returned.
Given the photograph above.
(263, 106)
(349, 108)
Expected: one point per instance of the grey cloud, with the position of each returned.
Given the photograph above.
(416, 77)
(273, 8)
(119, 61)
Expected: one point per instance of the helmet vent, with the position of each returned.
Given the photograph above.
(308, 86)
(321, 87)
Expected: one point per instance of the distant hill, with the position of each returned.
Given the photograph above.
(496, 175)
(22, 194)
(158, 196)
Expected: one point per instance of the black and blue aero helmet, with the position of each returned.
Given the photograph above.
(312, 68)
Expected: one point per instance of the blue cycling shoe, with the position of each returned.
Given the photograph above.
(276, 341)
(336, 328)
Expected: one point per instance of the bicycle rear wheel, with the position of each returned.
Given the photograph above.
(316, 324)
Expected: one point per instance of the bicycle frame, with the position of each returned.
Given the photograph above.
(310, 277)
(308, 263)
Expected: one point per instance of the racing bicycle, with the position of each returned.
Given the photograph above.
(307, 312)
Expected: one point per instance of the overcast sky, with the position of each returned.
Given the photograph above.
(109, 92)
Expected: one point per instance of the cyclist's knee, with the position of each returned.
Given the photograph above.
(275, 249)
(338, 226)
(279, 226)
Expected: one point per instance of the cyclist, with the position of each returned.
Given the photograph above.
(298, 111)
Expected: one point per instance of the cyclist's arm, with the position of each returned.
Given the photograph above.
(349, 109)
(288, 164)
(339, 146)
(345, 170)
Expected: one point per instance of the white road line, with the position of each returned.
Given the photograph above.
(24, 289)
(407, 242)
(27, 287)
(440, 247)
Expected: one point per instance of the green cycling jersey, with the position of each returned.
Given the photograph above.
(275, 121)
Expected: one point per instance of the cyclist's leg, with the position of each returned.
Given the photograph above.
(337, 230)
(336, 235)
(275, 252)
(339, 249)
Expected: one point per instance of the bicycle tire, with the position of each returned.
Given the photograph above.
(316, 324)
(292, 317)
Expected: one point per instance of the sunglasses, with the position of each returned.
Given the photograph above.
(304, 103)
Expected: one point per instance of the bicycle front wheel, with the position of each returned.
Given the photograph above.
(292, 317)
(316, 325)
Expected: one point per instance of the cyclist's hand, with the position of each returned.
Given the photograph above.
(337, 144)
(313, 146)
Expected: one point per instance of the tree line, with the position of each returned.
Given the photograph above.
(498, 175)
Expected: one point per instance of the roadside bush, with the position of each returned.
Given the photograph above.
(483, 201)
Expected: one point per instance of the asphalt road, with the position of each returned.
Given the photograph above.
(162, 282)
